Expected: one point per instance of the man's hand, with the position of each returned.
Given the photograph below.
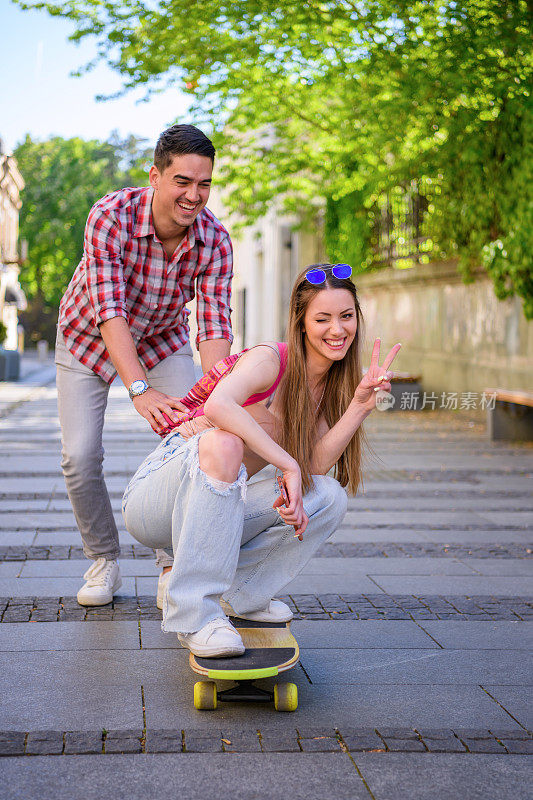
(151, 405)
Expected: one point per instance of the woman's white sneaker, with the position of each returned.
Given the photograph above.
(276, 611)
(217, 638)
(102, 581)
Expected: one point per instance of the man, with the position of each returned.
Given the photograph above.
(124, 311)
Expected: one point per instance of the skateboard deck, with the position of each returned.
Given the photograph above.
(270, 649)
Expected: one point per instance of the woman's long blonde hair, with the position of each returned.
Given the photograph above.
(298, 429)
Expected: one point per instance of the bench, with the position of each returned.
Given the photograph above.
(511, 416)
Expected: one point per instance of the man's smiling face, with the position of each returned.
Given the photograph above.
(181, 190)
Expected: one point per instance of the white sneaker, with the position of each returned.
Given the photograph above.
(217, 638)
(162, 584)
(276, 611)
(103, 579)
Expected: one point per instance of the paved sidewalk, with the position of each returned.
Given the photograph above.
(414, 623)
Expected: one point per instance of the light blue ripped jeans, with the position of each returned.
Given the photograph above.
(227, 539)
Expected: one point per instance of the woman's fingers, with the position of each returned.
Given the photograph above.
(391, 355)
(374, 358)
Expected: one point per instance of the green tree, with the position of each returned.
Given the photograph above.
(317, 100)
(64, 178)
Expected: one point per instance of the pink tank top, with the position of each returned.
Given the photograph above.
(196, 398)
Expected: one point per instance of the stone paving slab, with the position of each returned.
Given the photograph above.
(76, 636)
(324, 584)
(437, 667)
(58, 537)
(346, 567)
(516, 699)
(43, 521)
(10, 569)
(453, 502)
(394, 634)
(517, 518)
(508, 567)
(69, 568)
(169, 704)
(439, 519)
(446, 777)
(425, 535)
(243, 776)
(54, 587)
(502, 635)
(450, 585)
(16, 538)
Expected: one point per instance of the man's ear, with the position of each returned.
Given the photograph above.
(154, 176)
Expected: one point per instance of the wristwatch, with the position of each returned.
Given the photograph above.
(137, 387)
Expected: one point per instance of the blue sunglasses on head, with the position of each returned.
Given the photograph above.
(318, 275)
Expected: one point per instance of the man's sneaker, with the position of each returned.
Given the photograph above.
(217, 638)
(162, 584)
(103, 580)
(276, 611)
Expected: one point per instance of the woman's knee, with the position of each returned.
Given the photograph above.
(154, 532)
(220, 454)
(331, 496)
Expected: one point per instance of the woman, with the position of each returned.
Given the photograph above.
(234, 547)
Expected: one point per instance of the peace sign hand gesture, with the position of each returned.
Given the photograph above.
(375, 378)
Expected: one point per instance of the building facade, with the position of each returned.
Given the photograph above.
(268, 256)
(12, 297)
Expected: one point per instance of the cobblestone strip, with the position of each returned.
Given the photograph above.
(304, 740)
(56, 552)
(304, 606)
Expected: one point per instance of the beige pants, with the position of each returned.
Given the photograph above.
(82, 400)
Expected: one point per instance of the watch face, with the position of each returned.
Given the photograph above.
(137, 386)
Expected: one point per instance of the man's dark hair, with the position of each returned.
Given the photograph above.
(180, 140)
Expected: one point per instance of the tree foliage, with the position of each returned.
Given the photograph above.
(316, 100)
(64, 178)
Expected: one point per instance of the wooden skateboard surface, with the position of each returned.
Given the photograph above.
(270, 649)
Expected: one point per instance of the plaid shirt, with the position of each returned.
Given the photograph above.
(124, 272)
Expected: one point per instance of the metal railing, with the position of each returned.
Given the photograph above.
(401, 224)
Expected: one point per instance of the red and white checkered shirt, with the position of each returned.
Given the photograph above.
(125, 272)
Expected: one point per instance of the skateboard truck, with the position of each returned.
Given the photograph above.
(245, 691)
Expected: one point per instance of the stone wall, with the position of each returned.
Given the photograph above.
(459, 337)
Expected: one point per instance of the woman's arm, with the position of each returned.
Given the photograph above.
(334, 441)
(255, 372)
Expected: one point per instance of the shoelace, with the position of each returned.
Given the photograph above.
(98, 573)
(220, 623)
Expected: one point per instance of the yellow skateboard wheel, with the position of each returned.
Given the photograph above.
(285, 697)
(205, 695)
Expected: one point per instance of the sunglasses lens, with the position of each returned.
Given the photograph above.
(316, 276)
(342, 271)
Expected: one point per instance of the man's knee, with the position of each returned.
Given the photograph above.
(221, 454)
(81, 457)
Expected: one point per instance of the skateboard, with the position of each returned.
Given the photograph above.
(270, 649)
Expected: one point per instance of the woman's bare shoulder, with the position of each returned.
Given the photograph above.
(262, 353)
